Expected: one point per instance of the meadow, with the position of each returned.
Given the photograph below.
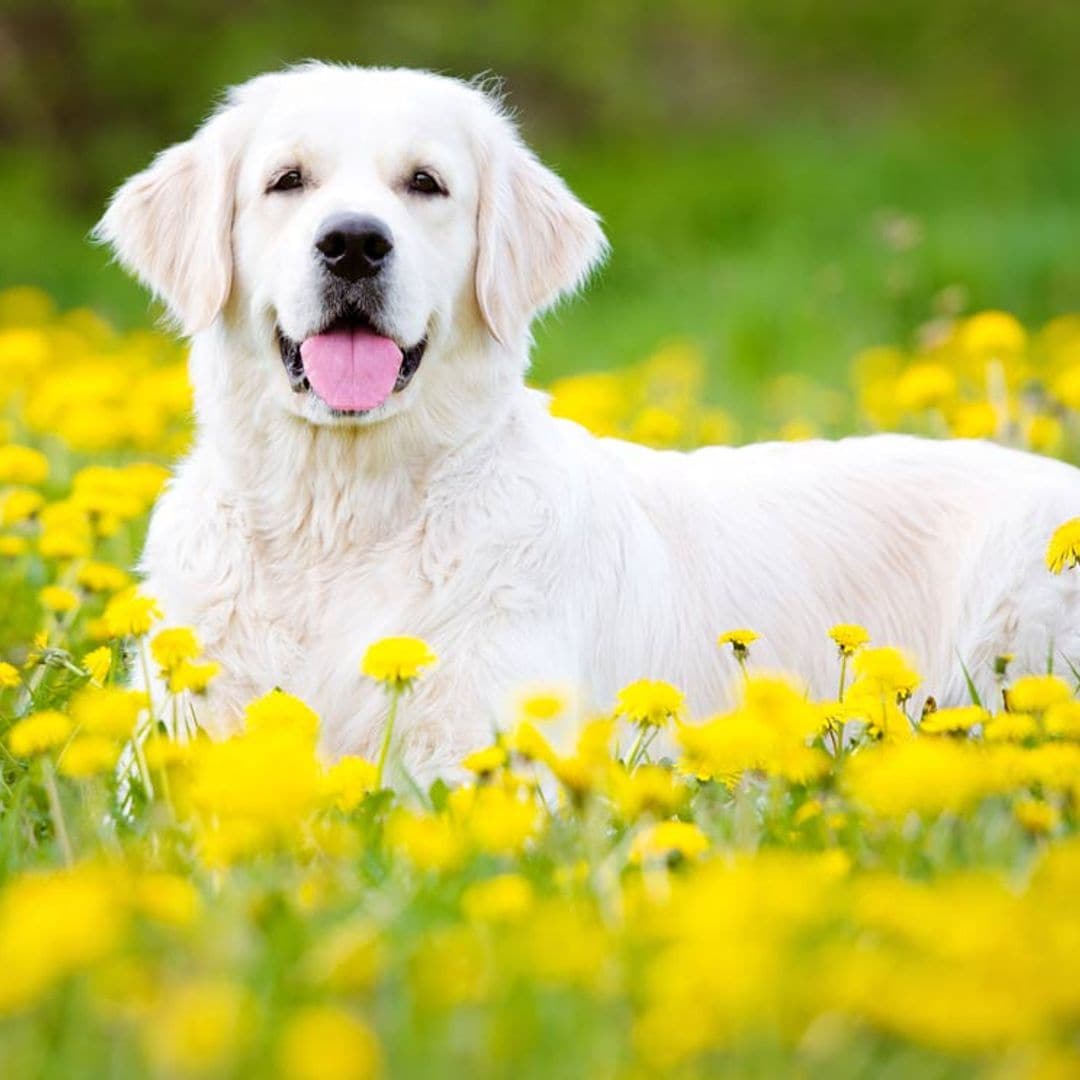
(822, 216)
(837, 888)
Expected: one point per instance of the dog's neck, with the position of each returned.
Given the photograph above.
(346, 487)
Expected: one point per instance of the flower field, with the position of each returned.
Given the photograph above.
(840, 888)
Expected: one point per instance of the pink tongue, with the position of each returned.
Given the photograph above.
(351, 369)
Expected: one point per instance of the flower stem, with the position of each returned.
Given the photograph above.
(388, 734)
(631, 759)
(56, 811)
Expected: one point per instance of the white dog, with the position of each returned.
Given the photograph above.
(357, 256)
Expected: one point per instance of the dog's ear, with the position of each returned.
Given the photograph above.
(535, 240)
(171, 224)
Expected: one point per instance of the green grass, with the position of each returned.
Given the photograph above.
(768, 247)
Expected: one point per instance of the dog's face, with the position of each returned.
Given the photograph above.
(357, 234)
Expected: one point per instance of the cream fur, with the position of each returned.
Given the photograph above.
(520, 546)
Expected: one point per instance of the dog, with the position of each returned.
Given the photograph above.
(358, 256)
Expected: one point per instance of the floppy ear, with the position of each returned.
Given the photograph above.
(171, 224)
(536, 240)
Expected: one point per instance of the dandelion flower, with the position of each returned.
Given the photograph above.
(57, 599)
(194, 678)
(22, 465)
(130, 613)
(20, 504)
(396, 661)
(97, 663)
(347, 782)
(925, 386)
(884, 671)
(660, 842)
(39, 732)
(542, 704)
(108, 711)
(324, 1042)
(485, 761)
(170, 648)
(1063, 551)
(1036, 816)
(953, 721)
(1037, 693)
(9, 676)
(994, 332)
(849, 637)
(102, 577)
(12, 546)
(649, 702)
(1062, 721)
(1011, 727)
(526, 741)
(280, 712)
(89, 755)
(739, 640)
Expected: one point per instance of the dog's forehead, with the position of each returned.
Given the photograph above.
(335, 109)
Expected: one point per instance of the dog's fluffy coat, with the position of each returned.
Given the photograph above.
(522, 548)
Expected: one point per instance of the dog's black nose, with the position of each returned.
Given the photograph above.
(354, 246)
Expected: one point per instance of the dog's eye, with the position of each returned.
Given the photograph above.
(423, 183)
(290, 180)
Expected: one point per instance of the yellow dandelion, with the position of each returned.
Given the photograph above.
(542, 704)
(22, 465)
(281, 712)
(9, 676)
(20, 504)
(925, 386)
(1063, 551)
(1037, 693)
(97, 663)
(649, 702)
(102, 577)
(884, 671)
(170, 648)
(130, 613)
(39, 732)
(89, 755)
(191, 677)
(347, 782)
(1036, 816)
(660, 842)
(526, 741)
(739, 640)
(485, 761)
(1011, 727)
(57, 599)
(848, 637)
(396, 661)
(953, 721)
(1062, 721)
(12, 546)
(324, 1042)
(995, 332)
(108, 711)
(163, 752)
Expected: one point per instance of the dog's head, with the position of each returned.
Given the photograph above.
(359, 235)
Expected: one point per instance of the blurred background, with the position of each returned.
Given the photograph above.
(785, 183)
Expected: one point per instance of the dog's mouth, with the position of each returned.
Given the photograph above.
(350, 364)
